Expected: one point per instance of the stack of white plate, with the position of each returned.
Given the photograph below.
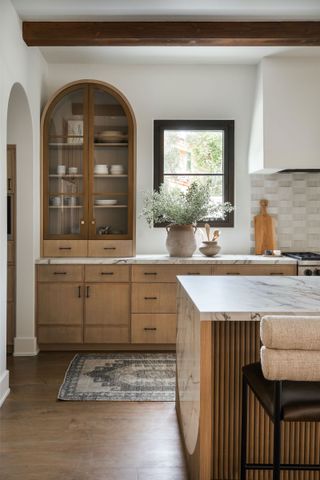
(100, 169)
(101, 201)
(116, 169)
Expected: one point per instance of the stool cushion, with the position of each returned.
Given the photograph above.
(290, 333)
(300, 400)
(295, 365)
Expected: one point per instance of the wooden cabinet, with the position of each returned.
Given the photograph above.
(153, 298)
(81, 305)
(107, 307)
(60, 312)
(166, 273)
(88, 149)
(153, 328)
(254, 269)
(110, 305)
(11, 245)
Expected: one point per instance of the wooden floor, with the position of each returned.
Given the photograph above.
(45, 439)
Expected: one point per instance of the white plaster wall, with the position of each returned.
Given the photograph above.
(180, 92)
(18, 64)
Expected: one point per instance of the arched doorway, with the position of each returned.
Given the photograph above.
(20, 135)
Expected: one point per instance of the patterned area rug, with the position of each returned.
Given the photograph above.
(133, 377)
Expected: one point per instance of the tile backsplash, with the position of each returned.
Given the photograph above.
(294, 201)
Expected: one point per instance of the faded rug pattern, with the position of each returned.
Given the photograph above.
(135, 377)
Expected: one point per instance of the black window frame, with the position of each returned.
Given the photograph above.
(228, 168)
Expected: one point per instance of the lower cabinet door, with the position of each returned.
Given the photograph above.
(60, 312)
(107, 313)
(153, 328)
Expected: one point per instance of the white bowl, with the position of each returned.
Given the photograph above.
(105, 202)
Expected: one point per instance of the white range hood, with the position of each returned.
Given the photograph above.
(285, 132)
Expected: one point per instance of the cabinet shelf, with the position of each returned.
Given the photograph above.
(109, 175)
(65, 206)
(65, 144)
(110, 206)
(115, 144)
(67, 175)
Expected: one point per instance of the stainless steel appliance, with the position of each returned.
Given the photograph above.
(308, 262)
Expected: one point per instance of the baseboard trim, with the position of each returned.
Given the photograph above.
(25, 347)
(4, 387)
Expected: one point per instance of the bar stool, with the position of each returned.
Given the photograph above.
(286, 382)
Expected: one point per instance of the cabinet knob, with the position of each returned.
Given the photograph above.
(82, 222)
(93, 222)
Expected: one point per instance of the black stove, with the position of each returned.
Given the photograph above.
(303, 256)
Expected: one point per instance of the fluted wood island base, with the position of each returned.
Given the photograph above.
(218, 332)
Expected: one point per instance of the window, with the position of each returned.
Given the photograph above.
(186, 150)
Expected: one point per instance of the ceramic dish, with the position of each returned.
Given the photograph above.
(105, 202)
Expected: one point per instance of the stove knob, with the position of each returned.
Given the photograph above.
(317, 271)
(308, 272)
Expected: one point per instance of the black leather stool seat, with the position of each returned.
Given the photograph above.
(300, 401)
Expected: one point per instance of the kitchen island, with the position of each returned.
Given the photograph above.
(218, 332)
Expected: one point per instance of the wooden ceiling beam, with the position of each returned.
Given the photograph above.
(250, 34)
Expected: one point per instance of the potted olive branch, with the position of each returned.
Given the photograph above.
(181, 211)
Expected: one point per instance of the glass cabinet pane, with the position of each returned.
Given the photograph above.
(110, 166)
(65, 165)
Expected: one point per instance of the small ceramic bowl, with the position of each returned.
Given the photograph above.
(210, 249)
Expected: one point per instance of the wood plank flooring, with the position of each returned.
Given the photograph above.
(45, 439)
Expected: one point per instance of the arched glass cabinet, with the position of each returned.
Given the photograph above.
(88, 173)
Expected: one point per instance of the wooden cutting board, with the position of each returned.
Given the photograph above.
(264, 230)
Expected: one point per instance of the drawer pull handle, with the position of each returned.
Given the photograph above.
(193, 273)
(65, 248)
(153, 329)
(276, 273)
(109, 248)
(150, 273)
(150, 298)
(79, 291)
(232, 273)
(106, 273)
(88, 292)
(59, 273)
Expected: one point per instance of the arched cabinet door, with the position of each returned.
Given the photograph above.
(88, 147)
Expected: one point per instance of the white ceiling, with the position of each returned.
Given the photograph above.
(152, 10)
(168, 9)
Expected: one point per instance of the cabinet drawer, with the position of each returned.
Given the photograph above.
(166, 273)
(54, 334)
(106, 335)
(153, 298)
(107, 273)
(60, 273)
(254, 269)
(156, 328)
(110, 248)
(65, 248)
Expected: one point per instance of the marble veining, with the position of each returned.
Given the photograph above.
(165, 259)
(221, 298)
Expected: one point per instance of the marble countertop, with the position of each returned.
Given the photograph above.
(165, 259)
(250, 298)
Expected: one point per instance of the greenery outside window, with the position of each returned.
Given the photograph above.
(189, 150)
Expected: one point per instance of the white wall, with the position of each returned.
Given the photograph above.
(180, 92)
(18, 64)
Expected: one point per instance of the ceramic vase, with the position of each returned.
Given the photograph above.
(181, 241)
